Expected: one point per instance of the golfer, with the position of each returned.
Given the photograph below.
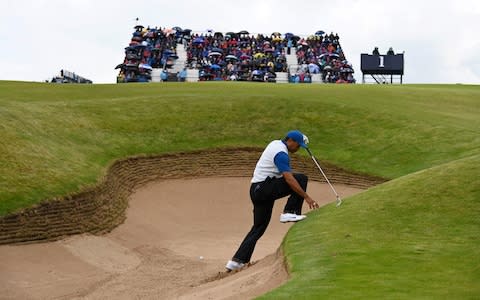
(273, 179)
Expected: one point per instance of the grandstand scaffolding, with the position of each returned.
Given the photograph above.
(69, 77)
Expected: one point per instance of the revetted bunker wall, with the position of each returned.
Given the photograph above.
(101, 208)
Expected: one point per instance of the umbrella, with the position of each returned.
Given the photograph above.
(120, 66)
(268, 50)
(215, 54)
(346, 70)
(139, 27)
(320, 32)
(243, 32)
(145, 66)
(334, 55)
(272, 74)
(276, 33)
(131, 66)
(295, 37)
(215, 67)
(176, 28)
(198, 41)
(231, 57)
(217, 50)
(244, 56)
(258, 55)
(218, 35)
(313, 68)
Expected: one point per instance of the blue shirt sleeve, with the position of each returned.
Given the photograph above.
(282, 161)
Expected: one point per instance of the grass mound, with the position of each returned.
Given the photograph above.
(416, 237)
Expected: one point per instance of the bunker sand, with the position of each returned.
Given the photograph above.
(174, 243)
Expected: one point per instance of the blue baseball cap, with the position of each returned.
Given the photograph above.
(298, 137)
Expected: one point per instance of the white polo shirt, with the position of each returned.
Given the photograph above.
(266, 165)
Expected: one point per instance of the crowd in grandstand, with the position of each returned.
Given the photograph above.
(322, 54)
(148, 48)
(235, 56)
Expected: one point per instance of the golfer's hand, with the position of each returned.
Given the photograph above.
(311, 203)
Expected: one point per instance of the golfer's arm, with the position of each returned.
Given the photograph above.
(293, 183)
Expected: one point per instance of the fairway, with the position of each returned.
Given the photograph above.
(60, 141)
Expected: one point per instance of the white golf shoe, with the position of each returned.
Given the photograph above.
(234, 266)
(284, 218)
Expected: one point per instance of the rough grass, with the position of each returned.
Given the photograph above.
(416, 237)
(59, 138)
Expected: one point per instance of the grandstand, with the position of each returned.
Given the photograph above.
(156, 55)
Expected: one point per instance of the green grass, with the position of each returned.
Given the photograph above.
(59, 138)
(413, 237)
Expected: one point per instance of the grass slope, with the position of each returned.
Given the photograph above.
(59, 138)
(416, 237)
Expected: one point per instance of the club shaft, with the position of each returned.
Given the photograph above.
(324, 176)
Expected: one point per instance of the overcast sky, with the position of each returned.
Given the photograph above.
(40, 37)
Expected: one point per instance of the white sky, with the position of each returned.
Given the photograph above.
(38, 38)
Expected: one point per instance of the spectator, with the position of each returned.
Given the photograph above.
(164, 75)
(390, 51)
(182, 75)
(375, 51)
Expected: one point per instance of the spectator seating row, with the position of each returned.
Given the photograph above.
(235, 56)
(322, 54)
(149, 48)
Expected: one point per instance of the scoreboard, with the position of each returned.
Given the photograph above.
(382, 64)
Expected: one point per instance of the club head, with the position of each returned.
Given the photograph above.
(339, 201)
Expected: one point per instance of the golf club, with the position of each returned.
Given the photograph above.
(339, 201)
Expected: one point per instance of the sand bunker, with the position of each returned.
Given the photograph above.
(177, 237)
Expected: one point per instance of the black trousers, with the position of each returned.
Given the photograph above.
(263, 196)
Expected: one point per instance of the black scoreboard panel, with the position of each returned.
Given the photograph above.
(382, 64)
